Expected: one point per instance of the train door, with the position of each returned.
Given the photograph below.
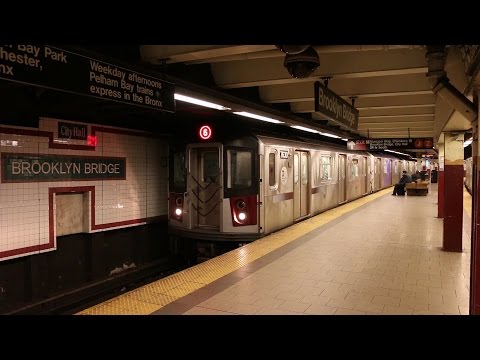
(300, 184)
(342, 183)
(204, 185)
(378, 173)
(364, 174)
(388, 173)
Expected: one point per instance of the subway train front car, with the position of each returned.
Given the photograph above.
(239, 187)
(214, 190)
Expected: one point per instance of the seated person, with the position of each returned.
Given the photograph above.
(400, 186)
(416, 176)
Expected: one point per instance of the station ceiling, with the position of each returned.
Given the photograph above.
(387, 82)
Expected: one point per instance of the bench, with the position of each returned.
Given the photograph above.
(418, 188)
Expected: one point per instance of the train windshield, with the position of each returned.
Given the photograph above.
(179, 171)
(239, 169)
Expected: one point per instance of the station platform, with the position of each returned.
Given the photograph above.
(379, 254)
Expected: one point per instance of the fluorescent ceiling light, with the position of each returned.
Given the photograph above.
(9, 143)
(304, 129)
(258, 117)
(329, 135)
(200, 102)
(396, 152)
(468, 142)
(345, 139)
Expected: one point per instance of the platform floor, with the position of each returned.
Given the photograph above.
(380, 254)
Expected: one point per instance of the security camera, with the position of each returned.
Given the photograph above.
(292, 49)
(303, 64)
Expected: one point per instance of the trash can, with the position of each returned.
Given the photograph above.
(434, 176)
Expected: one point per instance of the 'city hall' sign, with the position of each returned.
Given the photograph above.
(72, 131)
(30, 167)
(334, 107)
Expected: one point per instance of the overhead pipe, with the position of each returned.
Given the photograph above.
(441, 86)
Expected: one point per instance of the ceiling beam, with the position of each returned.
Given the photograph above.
(308, 107)
(395, 125)
(399, 123)
(271, 71)
(397, 116)
(182, 53)
(400, 133)
(413, 84)
(321, 49)
(395, 107)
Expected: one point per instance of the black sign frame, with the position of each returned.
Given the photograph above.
(61, 168)
(391, 143)
(60, 69)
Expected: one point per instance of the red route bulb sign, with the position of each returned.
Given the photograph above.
(205, 132)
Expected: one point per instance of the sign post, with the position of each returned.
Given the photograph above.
(55, 68)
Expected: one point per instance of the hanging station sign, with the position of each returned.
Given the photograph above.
(383, 144)
(55, 68)
(334, 107)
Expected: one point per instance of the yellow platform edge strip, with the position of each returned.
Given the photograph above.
(152, 297)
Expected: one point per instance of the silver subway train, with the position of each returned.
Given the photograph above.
(243, 188)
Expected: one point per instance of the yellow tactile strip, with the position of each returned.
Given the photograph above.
(150, 298)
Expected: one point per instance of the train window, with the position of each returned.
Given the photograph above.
(295, 168)
(271, 169)
(210, 166)
(326, 162)
(239, 163)
(316, 175)
(179, 171)
(304, 169)
(354, 167)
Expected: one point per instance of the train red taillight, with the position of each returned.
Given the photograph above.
(244, 210)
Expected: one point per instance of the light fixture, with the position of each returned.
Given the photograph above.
(329, 135)
(258, 117)
(303, 128)
(468, 142)
(345, 139)
(9, 143)
(396, 152)
(200, 102)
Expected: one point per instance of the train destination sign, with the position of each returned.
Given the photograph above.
(31, 167)
(55, 68)
(382, 144)
(334, 107)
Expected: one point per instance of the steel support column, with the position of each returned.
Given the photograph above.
(475, 249)
(453, 211)
(441, 180)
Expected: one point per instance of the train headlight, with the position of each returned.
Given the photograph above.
(178, 211)
(242, 216)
